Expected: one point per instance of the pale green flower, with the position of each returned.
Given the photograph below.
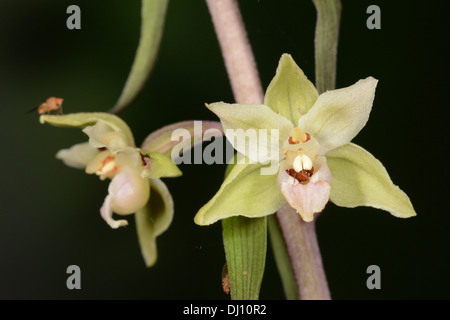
(135, 186)
(316, 160)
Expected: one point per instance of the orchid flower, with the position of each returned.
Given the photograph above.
(310, 137)
(135, 174)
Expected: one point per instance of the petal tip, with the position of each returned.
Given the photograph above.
(42, 119)
(199, 219)
(370, 81)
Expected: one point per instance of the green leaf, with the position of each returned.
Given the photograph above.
(244, 192)
(153, 220)
(245, 242)
(359, 179)
(162, 166)
(339, 115)
(247, 123)
(290, 93)
(161, 140)
(282, 259)
(84, 119)
(153, 14)
(326, 42)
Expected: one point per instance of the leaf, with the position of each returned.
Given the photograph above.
(326, 42)
(359, 179)
(153, 14)
(290, 93)
(338, 115)
(244, 192)
(153, 220)
(245, 242)
(84, 119)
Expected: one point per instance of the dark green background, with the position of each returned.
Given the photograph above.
(49, 217)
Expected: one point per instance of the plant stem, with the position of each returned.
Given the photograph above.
(303, 250)
(236, 51)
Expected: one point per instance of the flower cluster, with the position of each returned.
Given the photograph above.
(310, 142)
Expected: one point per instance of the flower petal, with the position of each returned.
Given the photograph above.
(107, 213)
(77, 156)
(338, 115)
(161, 139)
(101, 135)
(244, 192)
(128, 193)
(161, 165)
(310, 198)
(84, 119)
(359, 179)
(246, 125)
(153, 219)
(290, 93)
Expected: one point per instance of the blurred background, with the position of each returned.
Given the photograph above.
(49, 217)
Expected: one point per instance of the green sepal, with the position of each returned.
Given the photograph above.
(153, 220)
(359, 179)
(244, 192)
(290, 94)
(162, 166)
(244, 123)
(84, 119)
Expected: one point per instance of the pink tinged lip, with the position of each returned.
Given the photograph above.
(310, 198)
(128, 192)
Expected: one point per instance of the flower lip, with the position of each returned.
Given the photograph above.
(309, 196)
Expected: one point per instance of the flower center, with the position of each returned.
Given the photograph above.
(108, 166)
(300, 152)
(302, 162)
(145, 159)
(298, 135)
